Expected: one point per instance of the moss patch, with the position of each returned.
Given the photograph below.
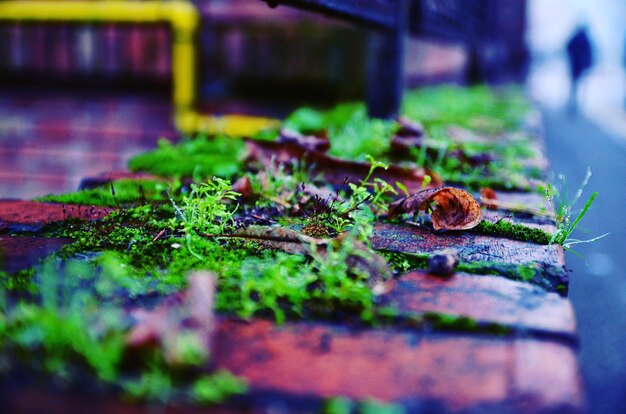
(513, 231)
(478, 108)
(200, 158)
(116, 194)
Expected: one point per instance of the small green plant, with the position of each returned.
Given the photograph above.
(344, 405)
(352, 134)
(205, 211)
(278, 183)
(76, 323)
(217, 387)
(563, 209)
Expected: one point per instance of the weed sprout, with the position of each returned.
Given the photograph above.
(563, 209)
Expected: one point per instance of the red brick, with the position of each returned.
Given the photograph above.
(548, 260)
(545, 374)
(411, 239)
(528, 200)
(458, 371)
(34, 213)
(487, 299)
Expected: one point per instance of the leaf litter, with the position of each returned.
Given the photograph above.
(454, 208)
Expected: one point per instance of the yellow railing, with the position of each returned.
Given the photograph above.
(181, 15)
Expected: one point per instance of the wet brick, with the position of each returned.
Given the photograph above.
(486, 299)
(458, 372)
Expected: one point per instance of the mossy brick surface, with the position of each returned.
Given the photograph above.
(530, 200)
(473, 247)
(487, 300)
(452, 372)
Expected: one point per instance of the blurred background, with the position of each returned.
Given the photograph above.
(577, 77)
(78, 100)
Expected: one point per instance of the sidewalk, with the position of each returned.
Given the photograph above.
(50, 141)
(598, 284)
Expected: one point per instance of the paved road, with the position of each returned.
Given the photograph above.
(598, 283)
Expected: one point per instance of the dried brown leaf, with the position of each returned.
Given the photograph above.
(367, 261)
(455, 209)
(183, 322)
(280, 238)
(243, 186)
(335, 170)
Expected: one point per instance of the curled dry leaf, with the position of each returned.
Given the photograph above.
(182, 325)
(455, 209)
(335, 170)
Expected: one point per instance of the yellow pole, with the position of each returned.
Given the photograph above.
(183, 18)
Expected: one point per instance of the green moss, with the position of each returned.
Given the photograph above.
(218, 387)
(116, 194)
(18, 282)
(372, 406)
(360, 136)
(76, 324)
(448, 322)
(344, 405)
(404, 262)
(252, 280)
(483, 111)
(528, 272)
(199, 158)
(489, 113)
(513, 231)
(444, 322)
(478, 108)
